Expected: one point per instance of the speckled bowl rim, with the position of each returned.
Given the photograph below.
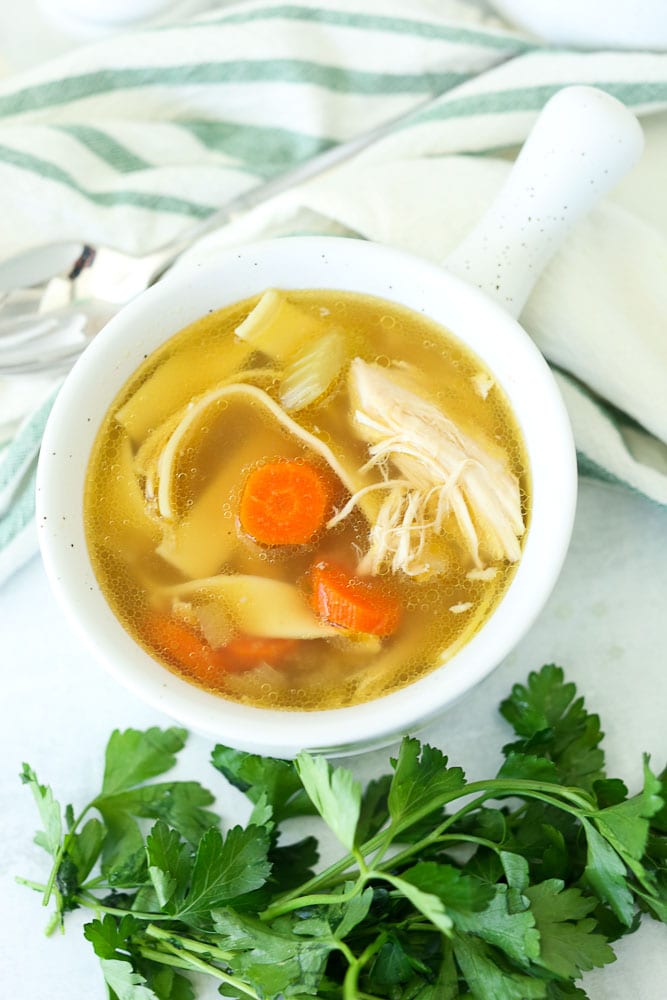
(304, 262)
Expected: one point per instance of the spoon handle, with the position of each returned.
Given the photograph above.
(581, 145)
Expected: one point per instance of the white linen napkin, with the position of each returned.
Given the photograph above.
(127, 141)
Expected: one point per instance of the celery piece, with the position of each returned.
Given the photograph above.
(312, 372)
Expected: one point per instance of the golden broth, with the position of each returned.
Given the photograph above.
(163, 525)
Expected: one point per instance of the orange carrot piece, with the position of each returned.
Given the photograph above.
(284, 502)
(182, 646)
(358, 604)
(246, 651)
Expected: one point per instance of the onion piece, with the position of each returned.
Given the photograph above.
(256, 605)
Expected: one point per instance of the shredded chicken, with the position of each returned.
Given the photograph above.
(435, 477)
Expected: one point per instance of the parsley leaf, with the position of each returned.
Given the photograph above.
(457, 890)
(660, 818)
(421, 780)
(557, 990)
(374, 811)
(353, 913)
(392, 966)
(292, 864)
(109, 935)
(528, 767)
(655, 902)
(166, 983)
(272, 960)
(49, 811)
(540, 704)
(123, 855)
(335, 793)
(85, 847)
(123, 982)
(626, 824)
(225, 869)
(133, 757)
(445, 984)
(487, 978)
(554, 723)
(424, 901)
(568, 942)
(275, 782)
(607, 875)
(512, 932)
(170, 865)
(179, 803)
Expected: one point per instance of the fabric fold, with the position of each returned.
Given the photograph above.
(129, 141)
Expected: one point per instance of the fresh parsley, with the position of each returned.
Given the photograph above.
(504, 889)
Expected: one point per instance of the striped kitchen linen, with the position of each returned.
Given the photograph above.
(127, 141)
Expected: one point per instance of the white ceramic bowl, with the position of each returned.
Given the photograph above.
(107, 13)
(357, 266)
(304, 263)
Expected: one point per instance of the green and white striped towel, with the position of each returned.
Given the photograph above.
(125, 142)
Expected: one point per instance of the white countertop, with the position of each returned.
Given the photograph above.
(604, 624)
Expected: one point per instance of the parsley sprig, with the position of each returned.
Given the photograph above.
(504, 889)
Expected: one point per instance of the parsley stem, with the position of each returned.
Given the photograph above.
(314, 899)
(155, 955)
(350, 991)
(37, 886)
(171, 955)
(421, 925)
(494, 788)
(93, 883)
(189, 944)
(559, 796)
(93, 903)
(60, 854)
(455, 838)
(577, 798)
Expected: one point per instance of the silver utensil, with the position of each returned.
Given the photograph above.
(46, 327)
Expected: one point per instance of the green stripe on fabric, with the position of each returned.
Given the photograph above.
(534, 98)
(105, 147)
(24, 445)
(608, 411)
(377, 22)
(140, 199)
(334, 78)
(616, 419)
(588, 468)
(21, 512)
(266, 150)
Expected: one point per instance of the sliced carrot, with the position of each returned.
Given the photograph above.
(181, 645)
(247, 651)
(284, 502)
(358, 604)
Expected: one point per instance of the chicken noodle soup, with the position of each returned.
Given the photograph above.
(307, 500)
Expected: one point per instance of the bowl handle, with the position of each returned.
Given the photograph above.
(582, 143)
